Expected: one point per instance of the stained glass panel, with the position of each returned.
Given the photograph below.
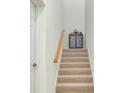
(72, 41)
(76, 40)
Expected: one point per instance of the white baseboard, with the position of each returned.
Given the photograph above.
(91, 65)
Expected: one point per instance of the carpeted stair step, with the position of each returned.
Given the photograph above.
(74, 88)
(75, 50)
(75, 59)
(74, 75)
(75, 65)
(75, 71)
(75, 54)
(74, 79)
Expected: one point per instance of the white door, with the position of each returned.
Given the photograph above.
(32, 48)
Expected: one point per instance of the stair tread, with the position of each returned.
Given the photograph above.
(74, 57)
(75, 69)
(75, 52)
(77, 49)
(75, 63)
(74, 84)
(74, 75)
(69, 51)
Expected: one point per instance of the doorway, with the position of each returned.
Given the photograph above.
(37, 46)
(32, 47)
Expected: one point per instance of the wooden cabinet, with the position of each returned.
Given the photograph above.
(76, 40)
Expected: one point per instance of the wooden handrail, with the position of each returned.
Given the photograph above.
(59, 48)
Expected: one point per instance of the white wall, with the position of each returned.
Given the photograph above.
(90, 29)
(54, 28)
(74, 17)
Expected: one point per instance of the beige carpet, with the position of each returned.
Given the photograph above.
(75, 72)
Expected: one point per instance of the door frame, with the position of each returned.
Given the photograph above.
(39, 4)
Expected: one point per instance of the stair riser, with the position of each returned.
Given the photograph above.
(73, 92)
(79, 89)
(74, 59)
(75, 66)
(74, 55)
(74, 72)
(75, 50)
(74, 79)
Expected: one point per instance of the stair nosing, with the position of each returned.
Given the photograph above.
(75, 69)
(75, 76)
(75, 63)
(76, 49)
(75, 52)
(75, 57)
(75, 84)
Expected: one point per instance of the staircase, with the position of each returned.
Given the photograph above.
(74, 72)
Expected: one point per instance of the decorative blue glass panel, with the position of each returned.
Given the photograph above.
(72, 41)
(76, 40)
